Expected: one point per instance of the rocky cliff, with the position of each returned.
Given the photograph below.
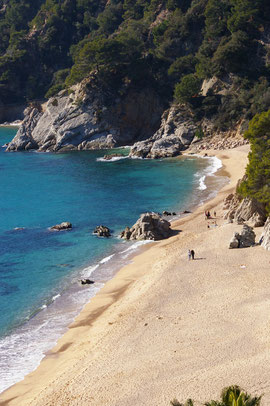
(175, 134)
(89, 117)
(265, 237)
(85, 119)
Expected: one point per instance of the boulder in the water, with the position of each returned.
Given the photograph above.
(108, 157)
(63, 226)
(102, 231)
(87, 282)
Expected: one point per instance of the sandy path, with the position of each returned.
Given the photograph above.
(167, 327)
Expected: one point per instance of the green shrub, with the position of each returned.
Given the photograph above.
(189, 87)
(256, 183)
(182, 66)
(230, 396)
(231, 55)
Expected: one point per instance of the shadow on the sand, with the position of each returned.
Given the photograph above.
(175, 232)
(198, 259)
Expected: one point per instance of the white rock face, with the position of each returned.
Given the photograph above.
(265, 237)
(251, 209)
(64, 126)
(244, 210)
(82, 120)
(175, 134)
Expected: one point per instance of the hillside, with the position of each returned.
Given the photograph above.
(171, 45)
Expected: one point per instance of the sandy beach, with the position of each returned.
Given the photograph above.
(165, 327)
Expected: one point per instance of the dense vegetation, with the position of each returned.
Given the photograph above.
(231, 396)
(257, 178)
(172, 45)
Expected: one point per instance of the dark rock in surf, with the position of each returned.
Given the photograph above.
(110, 157)
(102, 231)
(87, 282)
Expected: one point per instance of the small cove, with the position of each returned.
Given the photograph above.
(39, 269)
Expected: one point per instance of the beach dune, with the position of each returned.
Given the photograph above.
(165, 327)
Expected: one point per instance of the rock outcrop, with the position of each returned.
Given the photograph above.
(235, 241)
(241, 210)
(251, 210)
(243, 240)
(150, 226)
(63, 226)
(247, 237)
(108, 157)
(102, 231)
(87, 119)
(265, 237)
(230, 205)
(219, 140)
(176, 133)
(24, 139)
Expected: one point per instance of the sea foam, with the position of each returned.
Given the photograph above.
(215, 165)
(113, 159)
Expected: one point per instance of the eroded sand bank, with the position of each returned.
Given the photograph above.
(166, 327)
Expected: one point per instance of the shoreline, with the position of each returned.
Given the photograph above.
(12, 125)
(47, 313)
(41, 332)
(114, 303)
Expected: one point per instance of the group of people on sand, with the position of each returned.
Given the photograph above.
(208, 214)
(213, 224)
(191, 253)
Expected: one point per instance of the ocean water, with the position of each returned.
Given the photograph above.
(40, 293)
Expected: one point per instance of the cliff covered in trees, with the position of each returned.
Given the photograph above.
(172, 46)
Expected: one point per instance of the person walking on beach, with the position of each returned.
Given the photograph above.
(192, 254)
(189, 255)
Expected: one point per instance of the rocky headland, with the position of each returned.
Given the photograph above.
(86, 118)
(82, 120)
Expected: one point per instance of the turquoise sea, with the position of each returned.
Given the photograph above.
(39, 269)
